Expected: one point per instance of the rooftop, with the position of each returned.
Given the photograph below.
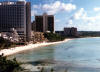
(12, 2)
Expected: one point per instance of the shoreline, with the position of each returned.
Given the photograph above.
(11, 51)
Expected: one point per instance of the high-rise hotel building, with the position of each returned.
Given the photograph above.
(44, 23)
(16, 15)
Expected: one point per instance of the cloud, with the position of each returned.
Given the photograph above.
(33, 12)
(81, 14)
(37, 6)
(97, 9)
(21, 0)
(70, 0)
(69, 22)
(56, 7)
(82, 21)
(57, 20)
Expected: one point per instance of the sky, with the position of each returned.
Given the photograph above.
(83, 14)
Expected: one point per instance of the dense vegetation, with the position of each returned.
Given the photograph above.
(4, 44)
(8, 65)
(89, 34)
(53, 37)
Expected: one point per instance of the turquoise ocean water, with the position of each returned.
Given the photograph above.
(78, 55)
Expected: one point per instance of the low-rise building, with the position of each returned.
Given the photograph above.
(60, 33)
(68, 31)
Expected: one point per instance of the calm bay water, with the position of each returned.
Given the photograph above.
(79, 55)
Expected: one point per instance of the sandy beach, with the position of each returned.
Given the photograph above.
(14, 50)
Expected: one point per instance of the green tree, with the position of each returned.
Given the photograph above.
(52, 37)
(8, 65)
(4, 43)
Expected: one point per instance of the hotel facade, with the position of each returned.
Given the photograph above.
(44, 23)
(16, 15)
